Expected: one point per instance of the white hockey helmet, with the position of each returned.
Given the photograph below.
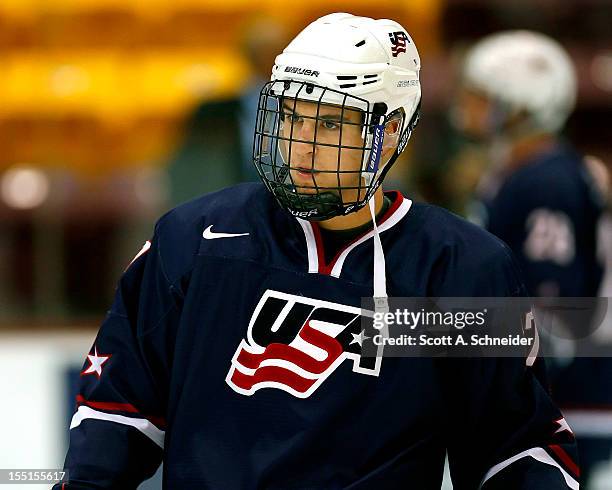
(524, 71)
(348, 62)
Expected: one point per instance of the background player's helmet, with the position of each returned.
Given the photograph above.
(524, 71)
(350, 63)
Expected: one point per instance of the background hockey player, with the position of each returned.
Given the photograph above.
(540, 195)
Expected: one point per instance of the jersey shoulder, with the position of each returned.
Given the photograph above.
(464, 258)
(558, 180)
(235, 200)
(559, 172)
(449, 232)
(179, 231)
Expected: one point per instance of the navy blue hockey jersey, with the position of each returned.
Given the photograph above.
(208, 360)
(547, 212)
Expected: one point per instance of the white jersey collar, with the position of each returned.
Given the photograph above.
(314, 243)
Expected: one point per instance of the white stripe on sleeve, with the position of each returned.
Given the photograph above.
(538, 454)
(143, 425)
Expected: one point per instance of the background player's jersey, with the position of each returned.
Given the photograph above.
(547, 212)
(230, 353)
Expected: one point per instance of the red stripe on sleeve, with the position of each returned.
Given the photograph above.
(120, 407)
(565, 458)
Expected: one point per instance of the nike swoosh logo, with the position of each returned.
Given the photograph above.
(211, 235)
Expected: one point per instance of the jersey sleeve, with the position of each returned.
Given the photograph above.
(117, 431)
(503, 430)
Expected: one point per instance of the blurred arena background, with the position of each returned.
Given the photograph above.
(113, 111)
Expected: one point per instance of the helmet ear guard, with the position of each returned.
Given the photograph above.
(412, 124)
(399, 143)
(398, 139)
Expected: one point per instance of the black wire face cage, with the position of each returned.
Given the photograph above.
(317, 149)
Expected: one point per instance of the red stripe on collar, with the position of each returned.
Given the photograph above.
(396, 200)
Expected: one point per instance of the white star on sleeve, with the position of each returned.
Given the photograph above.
(563, 426)
(96, 363)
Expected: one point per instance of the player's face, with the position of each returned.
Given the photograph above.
(473, 113)
(317, 149)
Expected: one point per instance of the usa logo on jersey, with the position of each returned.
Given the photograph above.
(295, 343)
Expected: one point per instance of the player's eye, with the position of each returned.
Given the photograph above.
(331, 125)
(290, 117)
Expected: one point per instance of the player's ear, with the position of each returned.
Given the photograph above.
(393, 128)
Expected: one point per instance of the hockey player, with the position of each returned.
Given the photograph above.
(232, 350)
(539, 196)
